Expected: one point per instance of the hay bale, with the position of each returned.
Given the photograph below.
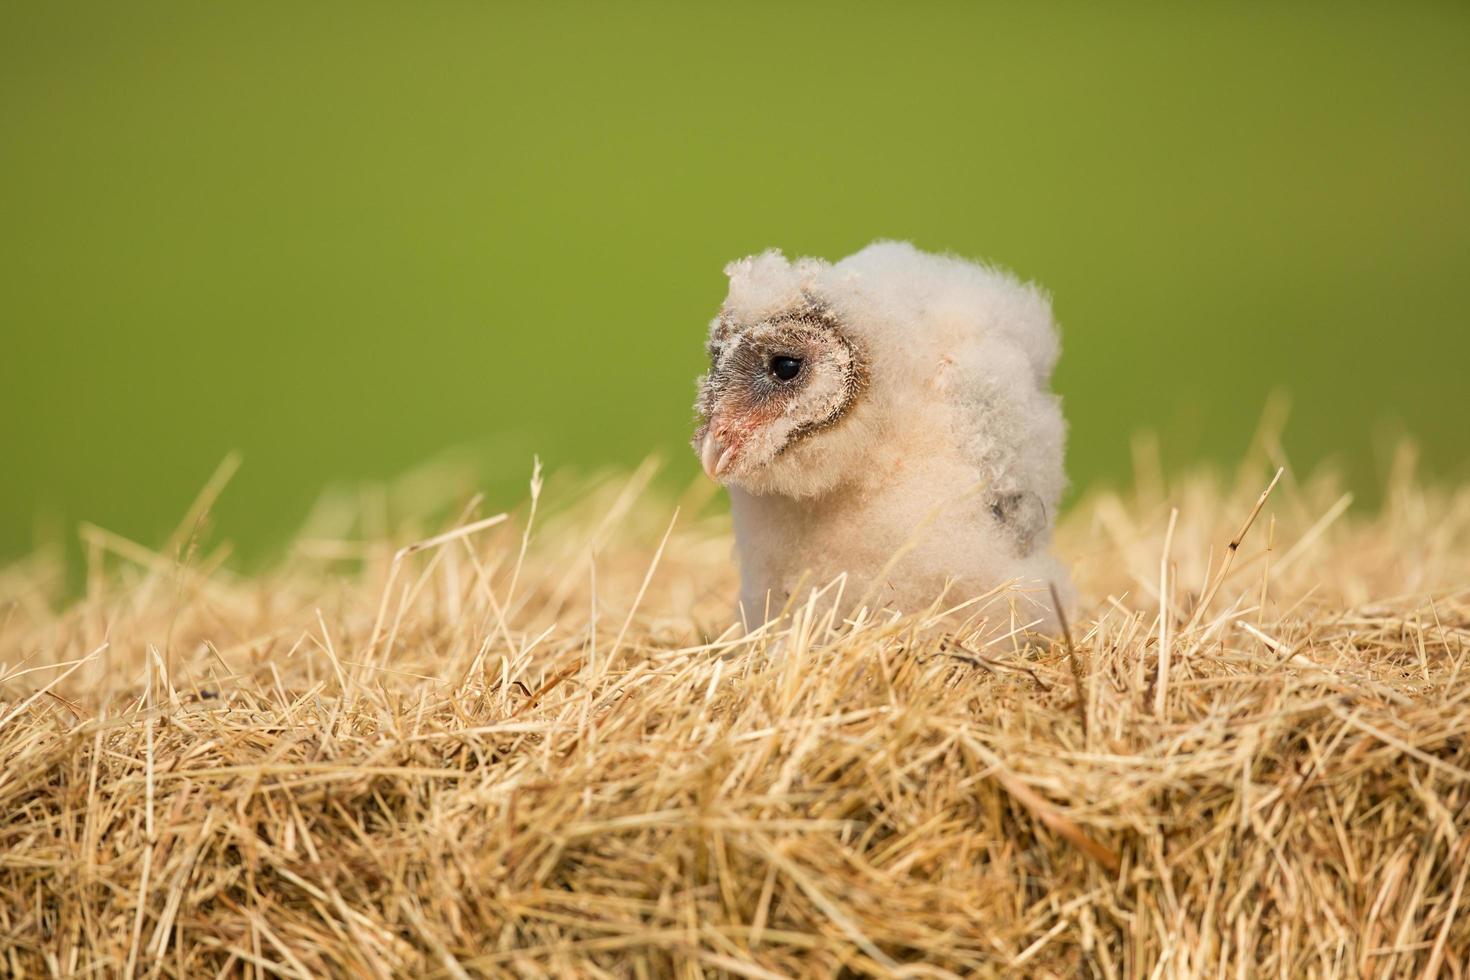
(506, 755)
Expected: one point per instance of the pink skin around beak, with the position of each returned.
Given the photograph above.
(715, 456)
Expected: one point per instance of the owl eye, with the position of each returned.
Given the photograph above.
(785, 368)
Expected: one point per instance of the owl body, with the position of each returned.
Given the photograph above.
(887, 421)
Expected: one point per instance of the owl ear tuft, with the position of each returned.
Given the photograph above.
(760, 285)
(809, 273)
(768, 261)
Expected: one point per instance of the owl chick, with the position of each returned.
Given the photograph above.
(887, 419)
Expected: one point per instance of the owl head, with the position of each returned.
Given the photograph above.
(786, 377)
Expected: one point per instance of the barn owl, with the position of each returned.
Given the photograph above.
(885, 423)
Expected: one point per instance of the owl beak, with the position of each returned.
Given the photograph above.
(714, 456)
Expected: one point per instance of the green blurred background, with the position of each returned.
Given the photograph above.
(342, 238)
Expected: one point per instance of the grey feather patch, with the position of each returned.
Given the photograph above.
(1022, 515)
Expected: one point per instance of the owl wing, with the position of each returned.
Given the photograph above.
(1009, 431)
(1020, 515)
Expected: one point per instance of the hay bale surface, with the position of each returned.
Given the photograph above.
(501, 753)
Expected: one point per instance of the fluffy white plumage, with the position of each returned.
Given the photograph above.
(887, 418)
